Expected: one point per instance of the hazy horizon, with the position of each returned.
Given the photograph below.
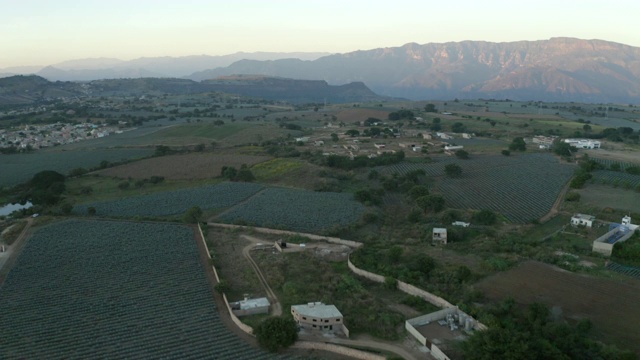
(42, 33)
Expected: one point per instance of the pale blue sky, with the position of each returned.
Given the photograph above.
(43, 32)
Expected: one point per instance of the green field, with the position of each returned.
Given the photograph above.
(95, 289)
(520, 187)
(596, 197)
(298, 210)
(19, 168)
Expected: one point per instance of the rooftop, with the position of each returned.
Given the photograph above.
(317, 310)
(584, 217)
(253, 303)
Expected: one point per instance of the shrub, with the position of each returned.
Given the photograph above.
(573, 196)
(276, 333)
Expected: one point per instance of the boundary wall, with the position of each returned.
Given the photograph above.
(244, 327)
(342, 350)
(402, 286)
(333, 240)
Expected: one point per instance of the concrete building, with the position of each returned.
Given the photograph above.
(617, 233)
(582, 220)
(250, 306)
(318, 316)
(440, 235)
(583, 143)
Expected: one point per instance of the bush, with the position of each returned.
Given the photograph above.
(485, 217)
(506, 152)
(276, 333)
(573, 196)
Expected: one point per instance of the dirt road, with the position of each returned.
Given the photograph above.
(276, 308)
(9, 257)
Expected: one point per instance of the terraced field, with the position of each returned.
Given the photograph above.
(175, 202)
(113, 290)
(521, 187)
(298, 210)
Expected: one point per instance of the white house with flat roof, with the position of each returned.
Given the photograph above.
(319, 316)
(582, 220)
(250, 306)
(440, 235)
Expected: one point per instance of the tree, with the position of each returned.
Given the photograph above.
(462, 154)
(222, 286)
(434, 203)
(192, 216)
(458, 127)
(244, 174)
(453, 170)
(418, 191)
(506, 152)
(518, 144)
(91, 210)
(430, 108)
(276, 333)
(485, 217)
(229, 172)
(562, 148)
(352, 132)
(334, 137)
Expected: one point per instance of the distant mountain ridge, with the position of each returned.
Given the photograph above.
(558, 69)
(166, 66)
(26, 89)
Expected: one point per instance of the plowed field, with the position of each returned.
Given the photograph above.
(611, 305)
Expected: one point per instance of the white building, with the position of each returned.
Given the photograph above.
(318, 316)
(582, 220)
(440, 235)
(250, 306)
(583, 143)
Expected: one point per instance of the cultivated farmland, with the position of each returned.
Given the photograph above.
(297, 210)
(175, 202)
(611, 305)
(182, 167)
(93, 289)
(19, 168)
(615, 178)
(522, 188)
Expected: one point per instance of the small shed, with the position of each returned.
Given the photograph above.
(440, 235)
(250, 306)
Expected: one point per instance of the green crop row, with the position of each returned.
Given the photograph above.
(96, 289)
(298, 210)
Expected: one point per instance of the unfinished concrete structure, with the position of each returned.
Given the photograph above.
(319, 316)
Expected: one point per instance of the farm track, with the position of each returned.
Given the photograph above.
(555, 209)
(5, 266)
(244, 201)
(276, 308)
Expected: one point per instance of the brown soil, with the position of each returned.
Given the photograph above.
(611, 305)
(182, 167)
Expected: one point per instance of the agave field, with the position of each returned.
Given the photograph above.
(615, 178)
(608, 162)
(175, 202)
(121, 290)
(298, 210)
(522, 187)
(19, 168)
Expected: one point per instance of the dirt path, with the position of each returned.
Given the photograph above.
(371, 345)
(9, 257)
(556, 205)
(276, 308)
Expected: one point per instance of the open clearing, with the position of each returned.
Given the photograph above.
(603, 196)
(611, 305)
(192, 166)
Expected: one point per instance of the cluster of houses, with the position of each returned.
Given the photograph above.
(545, 142)
(41, 136)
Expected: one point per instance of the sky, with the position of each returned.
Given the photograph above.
(44, 32)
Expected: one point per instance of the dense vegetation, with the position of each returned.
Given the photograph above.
(514, 334)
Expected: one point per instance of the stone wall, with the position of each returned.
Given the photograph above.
(342, 350)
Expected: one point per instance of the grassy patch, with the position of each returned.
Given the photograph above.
(275, 168)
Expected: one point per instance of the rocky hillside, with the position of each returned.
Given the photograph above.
(559, 69)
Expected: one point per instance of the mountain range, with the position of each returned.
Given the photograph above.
(558, 69)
